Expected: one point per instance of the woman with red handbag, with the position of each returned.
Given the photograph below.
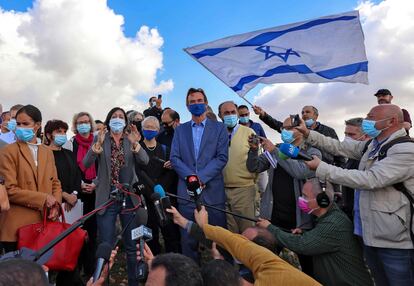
(30, 177)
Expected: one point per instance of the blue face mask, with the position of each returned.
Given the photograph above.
(11, 125)
(149, 134)
(244, 119)
(117, 125)
(368, 127)
(197, 109)
(230, 120)
(60, 139)
(83, 128)
(25, 134)
(309, 122)
(287, 136)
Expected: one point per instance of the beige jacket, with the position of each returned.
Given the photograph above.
(385, 212)
(27, 186)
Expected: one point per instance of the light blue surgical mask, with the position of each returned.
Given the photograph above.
(368, 127)
(11, 125)
(24, 134)
(60, 139)
(287, 136)
(117, 125)
(309, 122)
(244, 119)
(83, 128)
(230, 120)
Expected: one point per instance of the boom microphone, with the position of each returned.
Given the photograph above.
(103, 253)
(294, 152)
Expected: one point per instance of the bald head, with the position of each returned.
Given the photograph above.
(389, 118)
(384, 111)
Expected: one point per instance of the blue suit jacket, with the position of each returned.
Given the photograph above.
(208, 166)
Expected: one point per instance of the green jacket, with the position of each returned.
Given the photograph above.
(337, 255)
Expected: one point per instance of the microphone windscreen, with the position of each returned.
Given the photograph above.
(104, 251)
(155, 197)
(192, 183)
(289, 150)
(160, 190)
(141, 217)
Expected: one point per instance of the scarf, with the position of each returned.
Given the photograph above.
(84, 145)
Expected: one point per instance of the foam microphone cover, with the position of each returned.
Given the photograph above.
(104, 251)
(141, 217)
(155, 197)
(159, 190)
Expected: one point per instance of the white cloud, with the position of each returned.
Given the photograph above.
(65, 56)
(389, 41)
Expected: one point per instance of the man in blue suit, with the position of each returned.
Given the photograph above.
(200, 147)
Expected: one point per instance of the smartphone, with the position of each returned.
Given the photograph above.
(295, 120)
(159, 96)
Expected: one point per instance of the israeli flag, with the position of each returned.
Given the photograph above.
(327, 49)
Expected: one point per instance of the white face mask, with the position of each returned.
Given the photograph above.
(350, 139)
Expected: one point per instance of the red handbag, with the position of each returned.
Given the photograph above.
(65, 253)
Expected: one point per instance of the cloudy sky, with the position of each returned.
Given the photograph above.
(65, 56)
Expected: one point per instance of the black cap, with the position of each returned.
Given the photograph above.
(383, 91)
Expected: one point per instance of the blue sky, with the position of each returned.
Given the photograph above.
(187, 23)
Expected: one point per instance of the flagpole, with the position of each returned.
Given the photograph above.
(251, 104)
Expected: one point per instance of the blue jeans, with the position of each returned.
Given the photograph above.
(106, 233)
(394, 267)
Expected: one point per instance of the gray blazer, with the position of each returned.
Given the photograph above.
(295, 168)
(127, 173)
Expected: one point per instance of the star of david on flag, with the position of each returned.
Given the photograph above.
(327, 49)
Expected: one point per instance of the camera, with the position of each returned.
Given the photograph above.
(295, 119)
(255, 139)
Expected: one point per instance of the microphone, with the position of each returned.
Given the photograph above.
(193, 189)
(103, 253)
(160, 190)
(142, 234)
(155, 197)
(159, 159)
(139, 189)
(294, 152)
(165, 202)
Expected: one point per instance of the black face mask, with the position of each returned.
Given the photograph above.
(168, 129)
(138, 124)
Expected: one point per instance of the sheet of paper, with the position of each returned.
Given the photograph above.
(75, 213)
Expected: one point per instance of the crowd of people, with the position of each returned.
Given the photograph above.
(344, 207)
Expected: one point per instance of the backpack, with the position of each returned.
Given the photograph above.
(398, 186)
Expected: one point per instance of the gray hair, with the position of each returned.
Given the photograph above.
(133, 114)
(221, 104)
(317, 188)
(151, 119)
(80, 114)
(357, 121)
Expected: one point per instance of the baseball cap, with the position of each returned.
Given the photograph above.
(383, 92)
